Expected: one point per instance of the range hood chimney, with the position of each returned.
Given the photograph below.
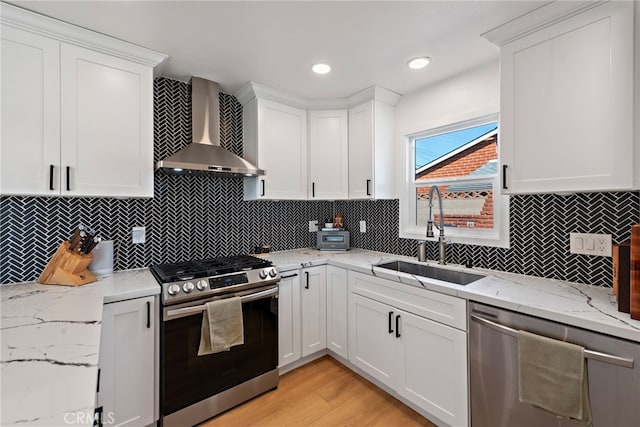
(205, 155)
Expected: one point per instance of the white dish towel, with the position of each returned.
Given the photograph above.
(222, 326)
(552, 376)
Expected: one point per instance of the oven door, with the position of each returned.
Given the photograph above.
(187, 378)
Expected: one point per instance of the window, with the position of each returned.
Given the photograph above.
(462, 161)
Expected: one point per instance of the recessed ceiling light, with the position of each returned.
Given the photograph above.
(321, 68)
(419, 62)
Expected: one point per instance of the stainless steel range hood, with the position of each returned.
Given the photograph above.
(205, 155)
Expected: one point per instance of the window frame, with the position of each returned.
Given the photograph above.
(496, 237)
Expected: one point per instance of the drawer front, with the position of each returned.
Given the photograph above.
(444, 309)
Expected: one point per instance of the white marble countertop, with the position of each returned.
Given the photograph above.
(50, 338)
(128, 284)
(584, 306)
(51, 334)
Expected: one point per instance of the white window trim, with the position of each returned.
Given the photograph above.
(497, 237)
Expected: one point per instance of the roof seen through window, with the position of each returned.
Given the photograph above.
(434, 147)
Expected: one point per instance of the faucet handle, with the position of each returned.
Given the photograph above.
(430, 229)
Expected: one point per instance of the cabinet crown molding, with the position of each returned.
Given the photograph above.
(52, 28)
(257, 90)
(254, 90)
(538, 19)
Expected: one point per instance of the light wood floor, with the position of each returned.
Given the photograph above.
(321, 393)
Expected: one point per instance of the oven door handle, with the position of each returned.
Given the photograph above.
(203, 307)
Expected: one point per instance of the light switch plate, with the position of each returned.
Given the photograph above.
(313, 226)
(363, 226)
(138, 235)
(590, 244)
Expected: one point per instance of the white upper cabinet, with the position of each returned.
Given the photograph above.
(77, 110)
(275, 139)
(371, 150)
(344, 151)
(567, 94)
(30, 146)
(328, 155)
(107, 125)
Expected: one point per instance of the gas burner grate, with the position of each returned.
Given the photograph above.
(167, 273)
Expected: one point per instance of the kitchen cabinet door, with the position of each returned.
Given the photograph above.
(373, 346)
(567, 94)
(337, 304)
(106, 125)
(328, 155)
(433, 361)
(314, 309)
(30, 145)
(289, 338)
(371, 151)
(276, 140)
(128, 362)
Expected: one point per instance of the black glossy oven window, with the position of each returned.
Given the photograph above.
(188, 378)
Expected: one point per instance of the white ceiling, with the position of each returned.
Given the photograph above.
(275, 43)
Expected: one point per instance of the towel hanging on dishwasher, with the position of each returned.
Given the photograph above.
(552, 376)
(222, 326)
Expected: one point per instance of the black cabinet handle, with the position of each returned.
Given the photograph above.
(50, 177)
(148, 314)
(262, 181)
(68, 182)
(313, 189)
(98, 387)
(368, 192)
(97, 417)
(307, 285)
(289, 277)
(397, 328)
(504, 177)
(390, 317)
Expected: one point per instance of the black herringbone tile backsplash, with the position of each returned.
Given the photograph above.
(204, 216)
(540, 227)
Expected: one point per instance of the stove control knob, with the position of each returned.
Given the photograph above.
(263, 274)
(187, 287)
(273, 272)
(202, 285)
(173, 289)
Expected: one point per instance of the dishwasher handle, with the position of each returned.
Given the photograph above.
(588, 354)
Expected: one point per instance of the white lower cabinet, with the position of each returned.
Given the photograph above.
(127, 362)
(302, 314)
(424, 361)
(432, 367)
(314, 309)
(337, 292)
(289, 338)
(372, 344)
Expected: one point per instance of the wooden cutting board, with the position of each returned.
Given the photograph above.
(635, 272)
(621, 274)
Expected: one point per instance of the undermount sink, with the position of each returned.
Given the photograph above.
(451, 276)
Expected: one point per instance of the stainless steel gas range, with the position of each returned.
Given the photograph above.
(194, 388)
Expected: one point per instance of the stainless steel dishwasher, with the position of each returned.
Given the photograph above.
(612, 363)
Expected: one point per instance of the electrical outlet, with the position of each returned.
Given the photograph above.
(138, 235)
(590, 244)
(363, 226)
(313, 226)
